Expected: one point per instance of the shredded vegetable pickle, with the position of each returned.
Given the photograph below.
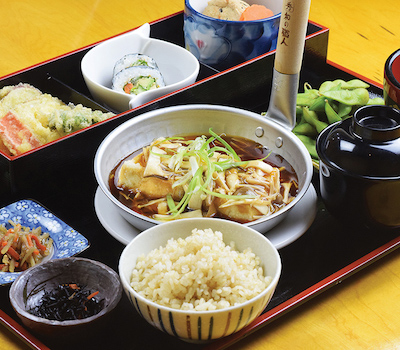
(22, 247)
(213, 176)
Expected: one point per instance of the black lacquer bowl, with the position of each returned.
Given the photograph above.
(360, 168)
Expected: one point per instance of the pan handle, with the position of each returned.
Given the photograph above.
(288, 61)
(291, 37)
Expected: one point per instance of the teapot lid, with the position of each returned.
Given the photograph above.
(368, 144)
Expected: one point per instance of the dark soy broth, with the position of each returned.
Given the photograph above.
(246, 149)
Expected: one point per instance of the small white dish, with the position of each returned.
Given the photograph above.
(298, 220)
(178, 66)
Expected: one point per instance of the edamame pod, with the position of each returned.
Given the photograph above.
(334, 101)
(376, 101)
(358, 96)
(354, 84)
(331, 85)
(310, 145)
(311, 117)
(341, 84)
(332, 116)
(306, 98)
(344, 110)
(318, 105)
(305, 129)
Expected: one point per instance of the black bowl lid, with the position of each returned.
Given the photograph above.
(368, 144)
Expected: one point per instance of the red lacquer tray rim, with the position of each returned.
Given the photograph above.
(267, 317)
(263, 319)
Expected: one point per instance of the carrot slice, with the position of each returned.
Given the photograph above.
(128, 87)
(39, 244)
(92, 295)
(29, 240)
(255, 12)
(13, 253)
(14, 133)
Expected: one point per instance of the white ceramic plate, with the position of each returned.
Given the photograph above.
(298, 220)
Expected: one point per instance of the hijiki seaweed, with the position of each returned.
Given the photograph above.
(68, 302)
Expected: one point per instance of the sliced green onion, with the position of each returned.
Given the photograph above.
(196, 155)
(228, 165)
(171, 204)
(220, 139)
(228, 196)
(168, 139)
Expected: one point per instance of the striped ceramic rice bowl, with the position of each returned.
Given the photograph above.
(205, 320)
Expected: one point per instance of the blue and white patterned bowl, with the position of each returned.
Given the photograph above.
(67, 242)
(222, 44)
(200, 326)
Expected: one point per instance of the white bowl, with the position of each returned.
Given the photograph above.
(178, 66)
(200, 326)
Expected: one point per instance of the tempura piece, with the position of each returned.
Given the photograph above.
(30, 118)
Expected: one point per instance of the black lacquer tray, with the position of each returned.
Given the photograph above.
(328, 252)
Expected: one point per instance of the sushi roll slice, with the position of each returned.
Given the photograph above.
(134, 59)
(137, 79)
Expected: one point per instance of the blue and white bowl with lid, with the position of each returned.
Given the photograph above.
(222, 44)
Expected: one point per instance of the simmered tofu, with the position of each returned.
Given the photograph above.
(176, 178)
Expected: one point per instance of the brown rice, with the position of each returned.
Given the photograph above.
(199, 273)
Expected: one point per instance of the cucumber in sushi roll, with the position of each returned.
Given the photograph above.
(137, 79)
(134, 59)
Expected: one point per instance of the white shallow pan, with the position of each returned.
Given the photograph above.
(190, 119)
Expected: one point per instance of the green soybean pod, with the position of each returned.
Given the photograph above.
(331, 115)
(331, 85)
(358, 96)
(311, 117)
(318, 104)
(305, 129)
(310, 145)
(344, 110)
(306, 98)
(355, 84)
(376, 101)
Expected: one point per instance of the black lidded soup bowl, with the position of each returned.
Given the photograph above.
(360, 168)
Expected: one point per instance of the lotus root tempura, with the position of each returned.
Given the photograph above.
(204, 176)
